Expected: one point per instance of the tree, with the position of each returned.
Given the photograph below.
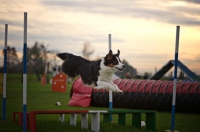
(146, 75)
(125, 62)
(87, 50)
(45, 52)
(12, 59)
(181, 75)
(128, 72)
(38, 56)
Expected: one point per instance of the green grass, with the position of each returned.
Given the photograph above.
(41, 98)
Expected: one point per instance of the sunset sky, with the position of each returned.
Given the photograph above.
(143, 30)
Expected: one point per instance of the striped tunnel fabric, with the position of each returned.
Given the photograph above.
(151, 94)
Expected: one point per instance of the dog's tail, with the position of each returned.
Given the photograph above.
(65, 56)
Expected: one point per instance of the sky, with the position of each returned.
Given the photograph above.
(143, 31)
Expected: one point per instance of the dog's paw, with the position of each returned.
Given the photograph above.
(115, 89)
(119, 91)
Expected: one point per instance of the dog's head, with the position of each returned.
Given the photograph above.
(113, 61)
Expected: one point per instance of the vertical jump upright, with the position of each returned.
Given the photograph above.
(4, 75)
(175, 79)
(110, 92)
(25, 74)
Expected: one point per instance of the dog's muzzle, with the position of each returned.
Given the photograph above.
(120, 69)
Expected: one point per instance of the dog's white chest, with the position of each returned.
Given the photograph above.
(105, 76)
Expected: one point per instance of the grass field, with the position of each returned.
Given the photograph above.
(41, 98)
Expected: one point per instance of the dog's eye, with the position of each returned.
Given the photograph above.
(115, 62)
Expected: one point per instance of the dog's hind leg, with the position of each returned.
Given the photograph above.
(71, 72)
(71, 79)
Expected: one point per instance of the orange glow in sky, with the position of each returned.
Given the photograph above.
(144, 31)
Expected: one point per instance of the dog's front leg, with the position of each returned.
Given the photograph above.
(118, 90)
(106, 85)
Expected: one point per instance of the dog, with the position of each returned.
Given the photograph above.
(97, 74)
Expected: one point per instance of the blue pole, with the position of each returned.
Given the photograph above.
(4, 75)
(25, 73)
(175, 79)
(110, 92)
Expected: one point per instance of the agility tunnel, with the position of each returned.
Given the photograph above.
(140, 94)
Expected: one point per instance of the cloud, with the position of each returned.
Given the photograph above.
(160, 11)
(11, 22)
(192, 1)
(142, 30)
(195, 59)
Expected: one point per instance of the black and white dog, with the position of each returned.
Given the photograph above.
(97, 74)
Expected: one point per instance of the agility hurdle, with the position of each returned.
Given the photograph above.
(31, 118)
(95, 118)
(136, 118)
(20, 118)
(32, 115)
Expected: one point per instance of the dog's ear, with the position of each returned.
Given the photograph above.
(118, 53)
(62, 56)
(110, 55)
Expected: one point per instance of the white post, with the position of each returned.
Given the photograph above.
(84, 120)
(62, 117)
(95, 121)
(73, 119)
